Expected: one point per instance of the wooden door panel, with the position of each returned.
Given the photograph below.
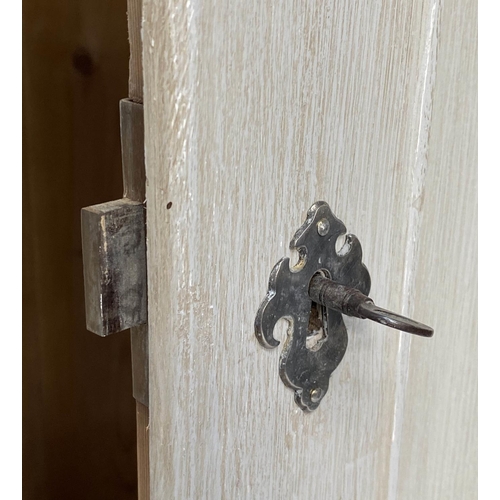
(253, 111)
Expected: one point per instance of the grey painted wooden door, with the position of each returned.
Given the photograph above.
(253, 111)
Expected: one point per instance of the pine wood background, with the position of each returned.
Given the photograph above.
(78, 410)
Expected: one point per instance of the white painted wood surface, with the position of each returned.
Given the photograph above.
(438, 454)
(253, 111)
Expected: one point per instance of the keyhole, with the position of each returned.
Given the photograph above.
(317, 329)
(317, 333)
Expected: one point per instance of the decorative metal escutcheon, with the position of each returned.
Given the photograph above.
(312, 295)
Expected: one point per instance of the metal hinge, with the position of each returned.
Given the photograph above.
(114, 253)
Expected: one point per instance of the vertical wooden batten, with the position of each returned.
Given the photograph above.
(132, 129)
(136, 81)
(139, 335)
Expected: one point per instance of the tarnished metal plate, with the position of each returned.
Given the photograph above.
(114, 263)
(306, 366)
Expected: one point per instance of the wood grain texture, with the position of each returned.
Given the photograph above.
(114, 266)
(142, 413)
(439, 432)
(78, 410)
(135, 79)
(135, 188)
(253, 111)
(132, 139)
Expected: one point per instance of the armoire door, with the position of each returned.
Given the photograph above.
(253, 111)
